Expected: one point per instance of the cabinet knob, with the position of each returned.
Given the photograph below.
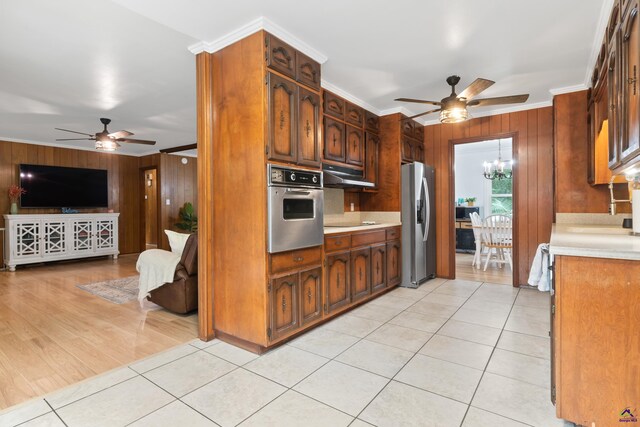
(298, 259)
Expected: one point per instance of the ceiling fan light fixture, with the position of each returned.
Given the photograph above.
(454, 115)
(106, 145)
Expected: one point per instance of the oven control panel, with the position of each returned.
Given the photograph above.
(289, 177)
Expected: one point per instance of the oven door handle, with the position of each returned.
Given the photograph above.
(301, 192)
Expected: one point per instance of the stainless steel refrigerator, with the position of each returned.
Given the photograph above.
(418, 224)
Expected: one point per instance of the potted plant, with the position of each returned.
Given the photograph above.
(15, 192)
(189, 220)
(470, 201)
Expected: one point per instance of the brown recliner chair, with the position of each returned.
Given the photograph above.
(181, 296)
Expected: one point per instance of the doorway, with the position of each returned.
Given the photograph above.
(150, 208)
(483, 176)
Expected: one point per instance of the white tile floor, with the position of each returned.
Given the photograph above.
(451, 353)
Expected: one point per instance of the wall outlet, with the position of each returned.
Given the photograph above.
(168, 202)
(352, 206)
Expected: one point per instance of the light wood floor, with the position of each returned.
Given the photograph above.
(464, 270)
(53, 334)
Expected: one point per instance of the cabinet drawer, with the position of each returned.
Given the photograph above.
(354, 115)
(466, 225)
(360, 239)
(307, 71)
(293, 259)
(280, 56)
(393, 233)
(337, 243)
(372, 122)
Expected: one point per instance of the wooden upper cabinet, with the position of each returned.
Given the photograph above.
(394, 262)
(333, 105)
(614, 20)
(407, 127)
(282, 118)
(307, 71)
(280, 56)
(614, 88)
(355, 146)
(284, 300)
(378, 267)
(372, 147)
(354, 115)
(311, 295)
(418, 151)
(630, 64)
(406, 149)
(371, 122)
(334, 140)
(309, 128)
(360, 273)
(337, 281)
(418, 131)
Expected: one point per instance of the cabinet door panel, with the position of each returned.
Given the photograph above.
(613, 86)
(280, 56)
(378, 267)
(309, 130)
(333, 105)
(630, 69)
(334, 140)
(55, 237)
(354, 115)
(27, 239)
(407, 150)
(394, 263)
(418, 151)
(311, 295)
(372, 122)
(418, 131)
(355, 146)
(407, 127)
(337, 280)
(284, 298)
(307, 71)
(360, 273)
(282, 114)
(372, 146)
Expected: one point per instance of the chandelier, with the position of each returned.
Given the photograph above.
(496, 170)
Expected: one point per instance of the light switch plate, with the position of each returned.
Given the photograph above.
(168, 202)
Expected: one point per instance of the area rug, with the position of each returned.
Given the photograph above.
(118, 291)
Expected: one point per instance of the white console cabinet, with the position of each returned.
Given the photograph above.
(50, 237)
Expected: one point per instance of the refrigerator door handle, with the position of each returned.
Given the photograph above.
(427, 216)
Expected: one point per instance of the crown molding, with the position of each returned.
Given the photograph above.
(506, 110)
(254, 26)
(346, 95)
(605, 11)
(568, 89)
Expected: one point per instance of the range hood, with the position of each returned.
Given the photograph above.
(344, 177)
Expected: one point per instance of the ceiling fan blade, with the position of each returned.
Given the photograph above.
(136, 141)
(475, 88)
(423, 114)
(419, 101)
(73, 131)
(76, 139)
(121, 134)
(512, 99)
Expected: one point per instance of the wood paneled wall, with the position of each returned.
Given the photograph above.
(533, 142)
(573, 192)
(122, 172)
(177, 182)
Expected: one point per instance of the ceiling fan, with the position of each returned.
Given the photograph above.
(105, 140)
(453, 108)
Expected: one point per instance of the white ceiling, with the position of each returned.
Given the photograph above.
(67, 63)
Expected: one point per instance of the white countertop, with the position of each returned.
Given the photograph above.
(334, 230)
(595, 241)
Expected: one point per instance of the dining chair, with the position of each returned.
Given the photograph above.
(496, 237)
(476, 222)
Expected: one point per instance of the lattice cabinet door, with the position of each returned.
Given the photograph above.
(54, 235)
(28, 239)
(81, 235)
(105, 234)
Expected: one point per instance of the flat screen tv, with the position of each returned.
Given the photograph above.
(61, 187)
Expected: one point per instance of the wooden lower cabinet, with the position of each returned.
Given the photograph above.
(378, 267)
(394, 264)
(595, 343)
(284, 305)
(338, 293)
(310, 295)
(360, 273)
